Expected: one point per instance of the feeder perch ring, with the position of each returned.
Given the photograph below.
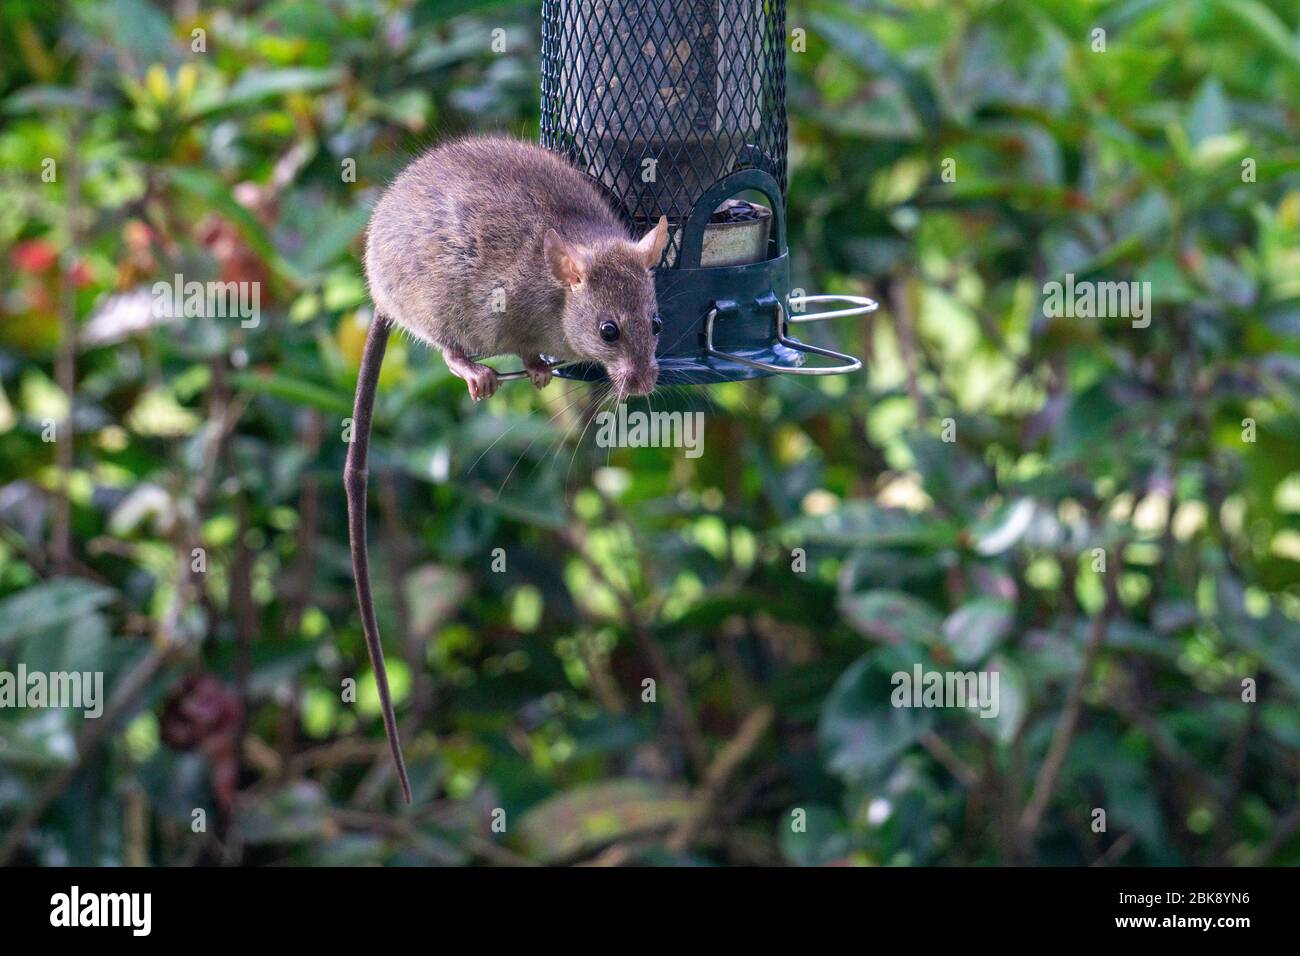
(861, 305)
(848, 362)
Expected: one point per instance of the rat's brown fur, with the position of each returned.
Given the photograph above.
(457, 254)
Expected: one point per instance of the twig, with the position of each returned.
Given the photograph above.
(1117, 850)
(402, 828)
(1236, 778)
(603, 685)
(495, 852)
(65, 360)
(900, 302)
(616, 855)
(1281, 835)
(719, 774)
(1048, 775)
(423, 690)
(349, 750)
(679, 704)
(303, 575)
(135, 825)
(1168, 750)
(938, 748)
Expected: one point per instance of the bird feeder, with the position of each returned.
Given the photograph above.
(677, 108)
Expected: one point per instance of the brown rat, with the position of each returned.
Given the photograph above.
(491, 246)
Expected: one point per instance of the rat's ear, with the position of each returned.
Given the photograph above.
(563, 262)
(652, 243)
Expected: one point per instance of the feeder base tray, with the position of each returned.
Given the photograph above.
(700, 369)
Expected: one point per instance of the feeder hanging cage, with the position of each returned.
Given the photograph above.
(676, 108)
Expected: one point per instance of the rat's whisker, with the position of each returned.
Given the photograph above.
(589, 411)
(578, 446)
(563, 395)
(528, 448)
(592, 402)
(677, 341)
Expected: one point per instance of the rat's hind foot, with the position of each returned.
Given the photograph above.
(538, 369)
(482, 381)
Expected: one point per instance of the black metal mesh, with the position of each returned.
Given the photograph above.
(659, 99)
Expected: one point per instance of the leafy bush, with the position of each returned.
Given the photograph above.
(1103, 513)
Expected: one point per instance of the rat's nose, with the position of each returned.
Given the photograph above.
(643, 383)
(632, 380)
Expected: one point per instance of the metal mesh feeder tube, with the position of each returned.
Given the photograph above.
(675, 108)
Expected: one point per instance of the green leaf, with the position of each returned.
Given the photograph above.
(855, 40)
(891, 616)
(1006, 525)
(1262, 23)
(295, 390)
(1110, 761)
(433, 594)
(435, 11)
(42, 742)
(822, 835)
(1275, 638)
(333, 239)
(861, 732)
(61, 603)
(863, 524)
(1210, 114)
(1089, 420)
(531, 506)
(80, 647)
(216, 195)
(47, 99)
(255, 85)
(1012, 701)
(586, 818)
(135, 26)
(975, 628)
(292, 814)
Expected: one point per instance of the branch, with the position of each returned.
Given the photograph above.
(719, 774)
(938, 748)
(1117, 851)
(65, 359)
(900, 304)
(1048, 775)
(679, 703)
(1286, 828)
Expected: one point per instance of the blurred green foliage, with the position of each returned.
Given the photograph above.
(953, 503)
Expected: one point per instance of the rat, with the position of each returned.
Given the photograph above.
(491, 246)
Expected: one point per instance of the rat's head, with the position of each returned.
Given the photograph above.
(609, 309)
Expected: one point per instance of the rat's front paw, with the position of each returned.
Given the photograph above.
(539, 371)
(482, 382)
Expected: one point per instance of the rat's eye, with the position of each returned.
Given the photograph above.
(656, 324)
(609, 331)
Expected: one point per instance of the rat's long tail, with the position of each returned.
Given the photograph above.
(354, 483)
